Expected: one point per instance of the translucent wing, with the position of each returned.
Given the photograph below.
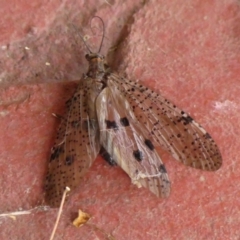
(170, 127)
(77, 142)
(126, 141)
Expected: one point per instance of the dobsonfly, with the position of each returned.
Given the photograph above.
(124, 121)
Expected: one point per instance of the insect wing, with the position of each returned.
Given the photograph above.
(170, 127)
(77, 142)
(125, 140)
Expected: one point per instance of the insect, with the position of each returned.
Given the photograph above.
(124, 121)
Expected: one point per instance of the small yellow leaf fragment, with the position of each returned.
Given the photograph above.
(81, 219)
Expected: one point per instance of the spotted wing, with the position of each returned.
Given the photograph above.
(77, 142)
(170, 127)
(126, 141)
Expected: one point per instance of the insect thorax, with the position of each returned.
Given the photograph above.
(98, 67)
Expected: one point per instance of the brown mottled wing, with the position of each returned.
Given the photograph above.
(126, 141)
(77, 142)
(170, 127)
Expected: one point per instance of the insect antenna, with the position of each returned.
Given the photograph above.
(103, 30)
(103, 35)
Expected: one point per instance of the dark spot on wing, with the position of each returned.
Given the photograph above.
(107, 157)
(185, 119)
(48, 180)
(207, 136)
(124, 121)
(149, 144)
(111, 124)
(56, 151)
(75, 124)
(162, 169)
(69, 160)
(85, 125)
(138, 155)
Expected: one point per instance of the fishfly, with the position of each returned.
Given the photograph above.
(123, 121)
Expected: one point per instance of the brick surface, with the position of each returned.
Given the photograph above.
(187, 50)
